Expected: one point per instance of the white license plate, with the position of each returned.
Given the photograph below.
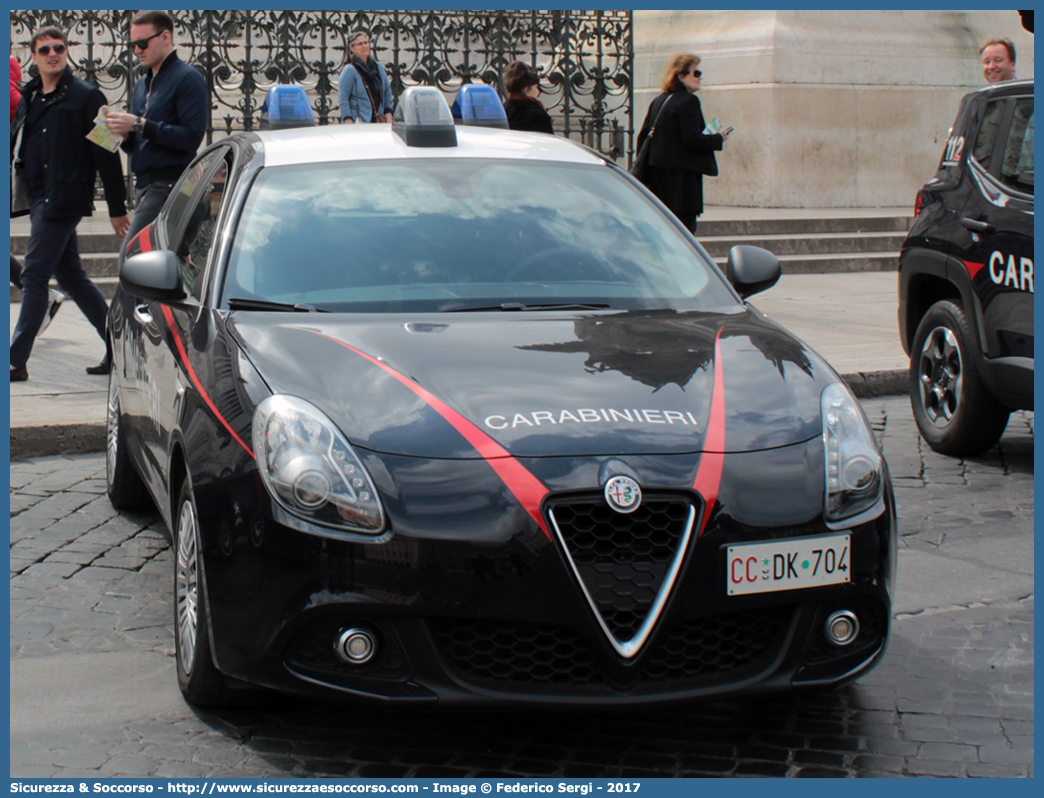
(788, 564)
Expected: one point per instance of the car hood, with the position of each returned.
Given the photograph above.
(537, 384)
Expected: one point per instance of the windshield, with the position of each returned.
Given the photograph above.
(457, 235)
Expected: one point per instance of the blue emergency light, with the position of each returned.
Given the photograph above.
(286, 106)
(422, 118)
(479, 105)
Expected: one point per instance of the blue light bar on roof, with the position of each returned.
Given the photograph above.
(422, 118)
(480, 106)
(286, 106)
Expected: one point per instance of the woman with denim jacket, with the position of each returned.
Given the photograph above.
(363, 88)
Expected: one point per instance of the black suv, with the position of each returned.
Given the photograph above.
(966, 276)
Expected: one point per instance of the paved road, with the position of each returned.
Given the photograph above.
(93, 690)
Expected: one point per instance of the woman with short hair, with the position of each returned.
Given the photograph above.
(363, 88)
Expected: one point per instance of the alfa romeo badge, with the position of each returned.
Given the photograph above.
(623, 494)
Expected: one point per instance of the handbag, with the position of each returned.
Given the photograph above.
(19, 189)
(640, 167)
(19, 185)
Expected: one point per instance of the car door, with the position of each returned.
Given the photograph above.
(178, 229)
(999, 216)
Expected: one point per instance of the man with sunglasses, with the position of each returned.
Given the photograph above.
(49, 140)
(168, 117)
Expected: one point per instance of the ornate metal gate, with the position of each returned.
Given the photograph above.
(585, 58)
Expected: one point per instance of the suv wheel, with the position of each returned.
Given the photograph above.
(954, 410)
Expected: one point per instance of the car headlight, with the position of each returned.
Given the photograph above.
(854, 478)
(310, 469)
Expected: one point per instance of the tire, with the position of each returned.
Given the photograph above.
(125, 487)
(954, 409)
(201, 683)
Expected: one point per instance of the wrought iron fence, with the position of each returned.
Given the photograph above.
(585, 58)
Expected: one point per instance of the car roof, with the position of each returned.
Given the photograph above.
(1007, 87)
(333, 143)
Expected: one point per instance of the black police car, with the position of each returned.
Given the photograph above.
(464, 415)
(966, 276)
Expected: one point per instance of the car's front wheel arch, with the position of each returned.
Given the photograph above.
(177, 474)
(925, 277)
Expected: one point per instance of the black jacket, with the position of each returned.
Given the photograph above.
(679, 142)
(71, 159)
(528, 115)
(175, 121)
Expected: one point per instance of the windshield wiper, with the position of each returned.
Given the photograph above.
(506, 306)
(238, 303)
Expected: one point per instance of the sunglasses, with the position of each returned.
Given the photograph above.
(143, 44)
(695, 73)
(45, 49)
(359, 43)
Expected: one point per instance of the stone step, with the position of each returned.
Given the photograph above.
(100, 264)
(106, 284)
(102, 268)
(834, 263)
(820, 244)
(792, 264)
(804, 226)
(88, 241)
(92, 241)
(804, 246)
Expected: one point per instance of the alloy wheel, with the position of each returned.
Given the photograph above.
(941, 376)
(187, 586)
(112, 430)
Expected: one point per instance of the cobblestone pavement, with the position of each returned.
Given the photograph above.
(94, 692)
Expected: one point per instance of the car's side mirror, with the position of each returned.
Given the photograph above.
(752, 269)
(153, 275)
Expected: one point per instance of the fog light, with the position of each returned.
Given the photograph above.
(841, 627)
(356, 646)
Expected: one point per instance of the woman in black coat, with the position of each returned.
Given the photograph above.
(524, 109)
(680, 153)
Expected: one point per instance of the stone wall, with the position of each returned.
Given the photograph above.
(830, 108)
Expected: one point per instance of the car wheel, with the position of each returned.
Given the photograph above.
(201, 683)
(954, 410)
(125, 487)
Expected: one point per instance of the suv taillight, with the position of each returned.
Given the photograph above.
(918, 203)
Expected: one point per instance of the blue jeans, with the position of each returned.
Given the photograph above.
(148, 202)
(53, 252)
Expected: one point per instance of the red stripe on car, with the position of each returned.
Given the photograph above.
(529, 490)
(973, 268)
(708, 476)
(195, 380)
(142, 239)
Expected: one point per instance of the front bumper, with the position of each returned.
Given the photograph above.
(483, 608)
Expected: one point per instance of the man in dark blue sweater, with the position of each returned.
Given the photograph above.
(168, 117)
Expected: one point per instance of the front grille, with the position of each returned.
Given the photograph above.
(717, 644)
(514, 652)
(622, 559)
(541, 655)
